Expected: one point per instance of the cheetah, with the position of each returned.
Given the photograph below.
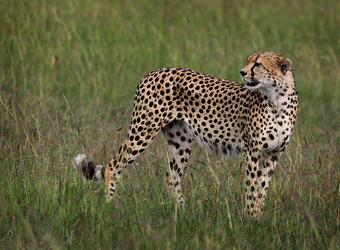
(255, 119)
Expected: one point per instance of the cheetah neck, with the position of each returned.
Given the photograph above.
(277, 95)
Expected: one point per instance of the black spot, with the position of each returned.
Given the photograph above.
(174, 143)
(254, 159)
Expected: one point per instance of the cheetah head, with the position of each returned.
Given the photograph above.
(265, 70)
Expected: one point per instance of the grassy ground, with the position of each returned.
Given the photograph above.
(68, 72)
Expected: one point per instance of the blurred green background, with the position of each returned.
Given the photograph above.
(68, 73)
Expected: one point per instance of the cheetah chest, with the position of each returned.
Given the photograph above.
(277, 131)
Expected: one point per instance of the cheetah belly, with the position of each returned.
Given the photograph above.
(230, 145)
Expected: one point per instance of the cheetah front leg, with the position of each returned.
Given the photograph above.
(264, 176)
(179, 148)
(259, 174)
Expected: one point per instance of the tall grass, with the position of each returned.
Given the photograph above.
(68, 73)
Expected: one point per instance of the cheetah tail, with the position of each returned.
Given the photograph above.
(87, 168)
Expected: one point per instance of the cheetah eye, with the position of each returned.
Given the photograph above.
(256, 64)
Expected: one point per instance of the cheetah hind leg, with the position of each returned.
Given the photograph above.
(180, 142)
(127, 154)
(114, 169)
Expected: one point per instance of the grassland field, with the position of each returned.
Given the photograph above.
(68, 73)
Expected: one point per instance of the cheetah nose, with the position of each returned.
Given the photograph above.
(242, 73)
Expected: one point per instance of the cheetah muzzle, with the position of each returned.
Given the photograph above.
(255, 119)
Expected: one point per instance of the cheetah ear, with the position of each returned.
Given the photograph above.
(285, 65)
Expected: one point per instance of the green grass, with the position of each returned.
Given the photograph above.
(68, 73)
